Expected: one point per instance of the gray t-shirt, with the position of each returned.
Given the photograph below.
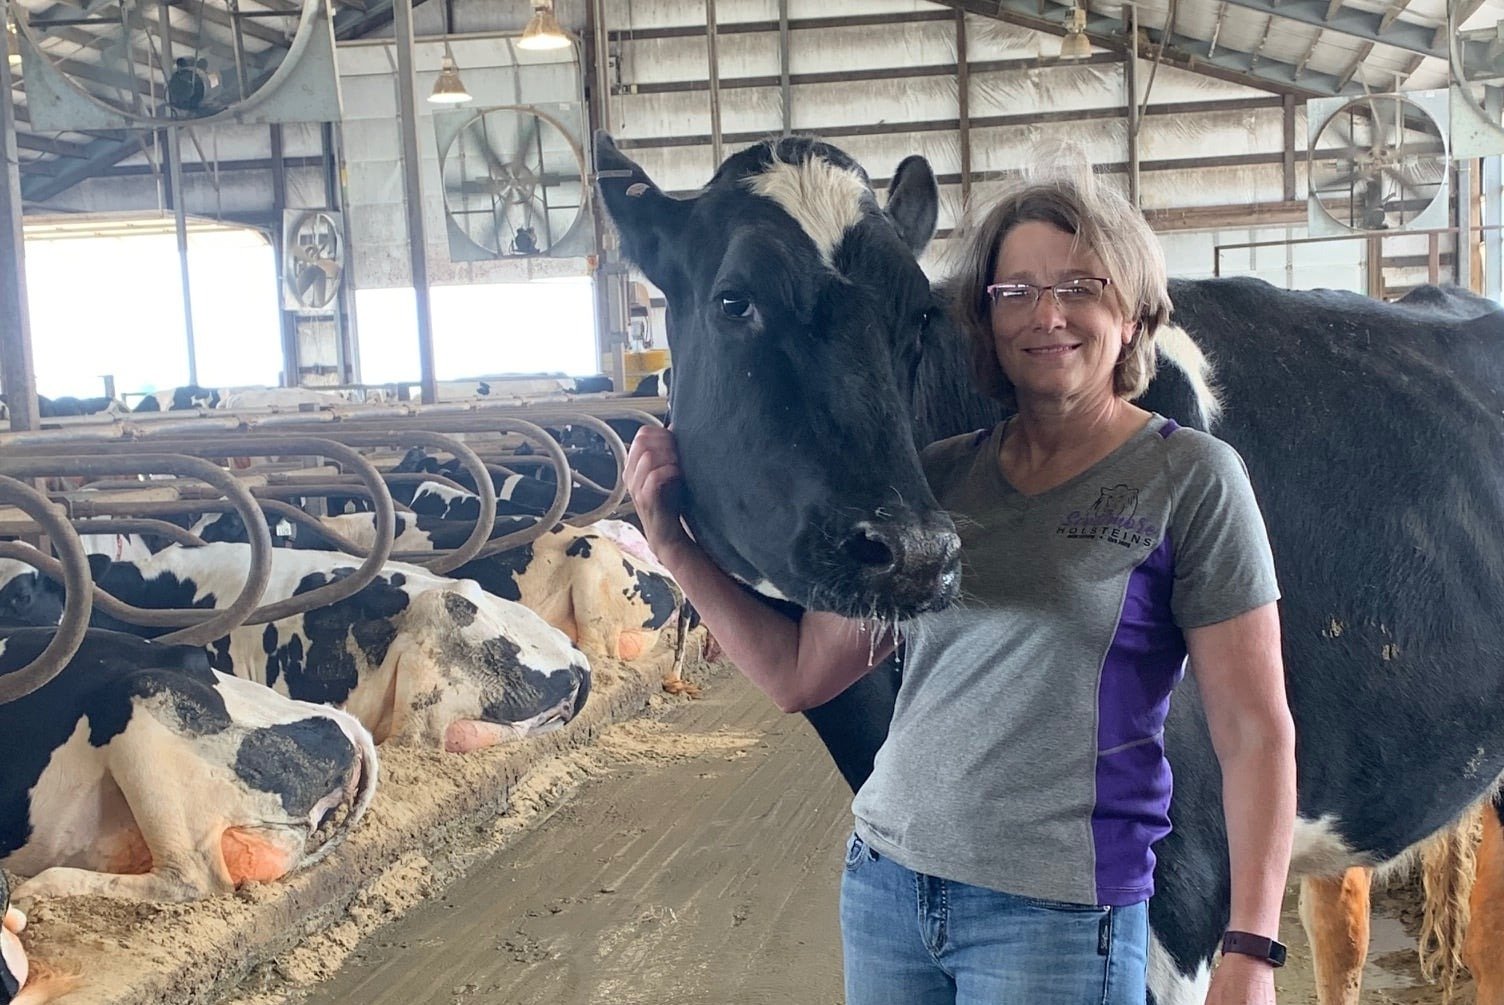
(1026, 752)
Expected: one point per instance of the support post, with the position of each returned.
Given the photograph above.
(407, 118)
(1493, 212)
(1289, 131)
(17, 375)
(180, 226)
(291, 371)
(963, 104)
(1462, 261)
(1130, 85)
(783, 67)
(715, 83)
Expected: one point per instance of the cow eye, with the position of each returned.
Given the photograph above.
(737, 306)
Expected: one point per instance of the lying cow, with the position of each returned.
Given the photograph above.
(139, 772)
(415, 657)
(607, 601)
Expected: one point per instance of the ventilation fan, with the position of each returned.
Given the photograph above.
(513, 184)
(1377, 163)
(149, 63)
(313, 255)
(1476, 58)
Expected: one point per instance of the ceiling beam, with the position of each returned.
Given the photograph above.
(1300, 67)
(1253, 57)
(49, 145)
(1360, 24)
(1395, 10)
(1180, 51)
(1352, 68)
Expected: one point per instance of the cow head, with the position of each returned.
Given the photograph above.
(27, 597)
(795, 308)
(473, 670)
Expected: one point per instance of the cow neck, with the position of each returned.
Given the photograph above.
(991, 457)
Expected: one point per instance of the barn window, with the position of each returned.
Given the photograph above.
(543, 326)
(106, 298)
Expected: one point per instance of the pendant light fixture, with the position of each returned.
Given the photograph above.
(1075, 44)
(543, 31)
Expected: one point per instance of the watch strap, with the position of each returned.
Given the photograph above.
(1258, 946)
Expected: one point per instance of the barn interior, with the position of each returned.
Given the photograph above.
(293, 259)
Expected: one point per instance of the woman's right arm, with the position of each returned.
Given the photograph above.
(798, 663)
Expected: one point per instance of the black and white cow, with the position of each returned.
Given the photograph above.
(418, 658)
(179, 399)
(598, 585)
(802, 328)
(139, 772)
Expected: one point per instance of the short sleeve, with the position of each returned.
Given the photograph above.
(1223, 564)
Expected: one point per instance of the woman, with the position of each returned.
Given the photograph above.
(1002, 844)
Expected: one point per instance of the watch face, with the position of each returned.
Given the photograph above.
(1276, 953)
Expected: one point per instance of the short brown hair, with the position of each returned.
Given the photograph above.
(1105, 224)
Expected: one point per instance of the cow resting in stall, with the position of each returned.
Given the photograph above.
(609, 598)
(420, 659)
(1369, 432)
(141, 773)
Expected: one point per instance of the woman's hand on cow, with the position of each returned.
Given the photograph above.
(656, 487)
(1241, 980)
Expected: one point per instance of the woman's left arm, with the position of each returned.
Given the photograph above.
(1240, 675)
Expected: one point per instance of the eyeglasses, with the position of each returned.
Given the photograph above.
(1083, 291)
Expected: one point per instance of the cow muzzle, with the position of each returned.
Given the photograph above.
(894, 568)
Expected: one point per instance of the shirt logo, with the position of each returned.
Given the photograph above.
(1111, 518)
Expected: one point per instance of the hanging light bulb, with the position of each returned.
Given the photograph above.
(1075, 44)
(12, 46)
(449, 89)
(543, 31)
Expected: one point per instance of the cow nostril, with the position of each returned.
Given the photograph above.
(866, 548)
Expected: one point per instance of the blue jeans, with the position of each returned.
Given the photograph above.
(912, 939)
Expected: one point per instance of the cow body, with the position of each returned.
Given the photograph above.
(1369, 431)
(139, 772)
(416, 657)
(605, 599)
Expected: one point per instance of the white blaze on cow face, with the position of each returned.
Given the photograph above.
(1178, 346)
(824, 199)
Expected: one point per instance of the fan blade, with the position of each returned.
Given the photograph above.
(481, 138)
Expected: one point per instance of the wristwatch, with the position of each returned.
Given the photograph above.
(1257, 946)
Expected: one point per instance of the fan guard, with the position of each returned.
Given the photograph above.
(1377, 163)
(313, 256)
(514, 184)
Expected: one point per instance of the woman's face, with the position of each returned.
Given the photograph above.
(1052, 352)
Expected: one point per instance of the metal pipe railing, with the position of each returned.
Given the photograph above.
(75, 575)
(203, 626)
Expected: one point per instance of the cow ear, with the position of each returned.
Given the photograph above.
(914, 202)
(650, 223)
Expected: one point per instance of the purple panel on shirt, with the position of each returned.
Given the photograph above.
(1142, 666)
(1169, 427)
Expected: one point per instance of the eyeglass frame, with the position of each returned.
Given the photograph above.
(993, 301)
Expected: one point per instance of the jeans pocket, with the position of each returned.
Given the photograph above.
(1064, 907)
(856, 850)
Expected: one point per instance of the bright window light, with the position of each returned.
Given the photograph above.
(539, 327)
(114, 305)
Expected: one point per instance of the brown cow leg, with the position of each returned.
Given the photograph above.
(1334, 911)
(1483, 951)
